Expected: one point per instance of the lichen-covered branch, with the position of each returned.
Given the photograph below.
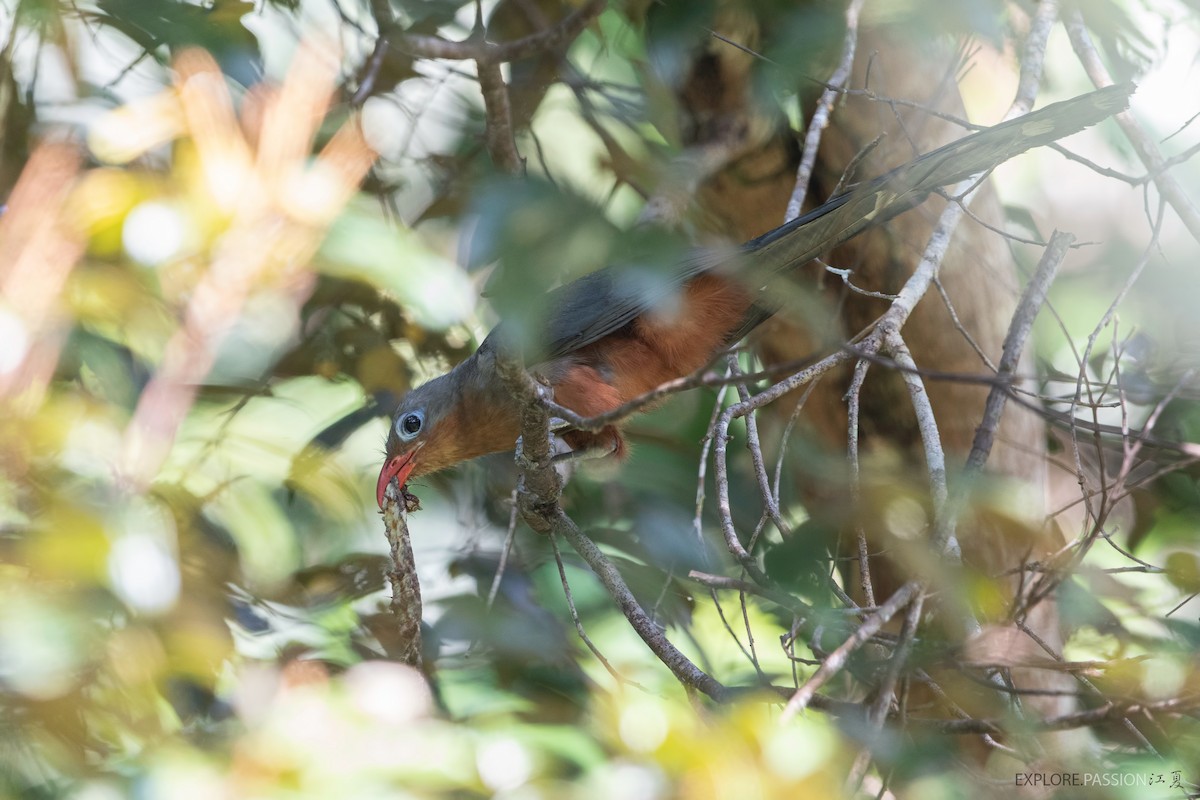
(406, 588)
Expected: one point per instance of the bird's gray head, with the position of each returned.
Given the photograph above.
(463, 414)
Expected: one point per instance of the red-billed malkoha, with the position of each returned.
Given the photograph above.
(603, 343)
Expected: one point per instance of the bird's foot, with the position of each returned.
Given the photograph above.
(588, 453)
(595, 446)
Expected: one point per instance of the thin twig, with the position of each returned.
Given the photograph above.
(509, 537)
(1142, 143)
(820, 117)
(779, 598)
(566, 585)
(853, 408)
(1014, 345)
(381, 10)
(426, 46)
(834, 662)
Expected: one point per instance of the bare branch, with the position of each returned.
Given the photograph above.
(499, 128)
(721, 439)
(820, 117)
(781, 599)
(538, 501)
(406, 588)
(688, 673)
(423, 46)
(834, 662)
(935, 457)
(381, 10)
(1014, 344)
(562, 576)
(853, 407)
(1033, 57)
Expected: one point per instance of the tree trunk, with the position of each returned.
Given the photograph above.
(749, 196)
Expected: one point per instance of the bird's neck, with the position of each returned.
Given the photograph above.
(485, 418)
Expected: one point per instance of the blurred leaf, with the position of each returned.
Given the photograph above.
(1079, 607)
(924, 19)
(217, 28)
(109, 371)
(427, 15)
(1183, 570)
(316, 473)
(1188, 632)
(69, 543)
(545, 237)
(540, 234)
(801, 562)
(1024, 218)
(1121, 38)
(350, 578)
(362, 246)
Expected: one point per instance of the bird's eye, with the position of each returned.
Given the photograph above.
(409, 425)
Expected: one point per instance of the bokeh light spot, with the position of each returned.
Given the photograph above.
(141, 564)
(503, 764)
(14, 341)
(154, 233)
(643, 727)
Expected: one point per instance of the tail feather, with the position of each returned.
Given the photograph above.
(876, 201)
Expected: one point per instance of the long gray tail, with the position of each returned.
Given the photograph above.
(876, 201)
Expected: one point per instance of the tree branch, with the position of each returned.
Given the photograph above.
(483, 52)
(834, 662)
(406, 588)
(1147, 151)
(1014, 345)
(820, 117)
(538, 500)
(498, 114)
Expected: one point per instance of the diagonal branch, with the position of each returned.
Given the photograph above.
(539, 503)
(820, 117)
(834, 662)
(425, 46)
(1142, 143)
(1014, 345)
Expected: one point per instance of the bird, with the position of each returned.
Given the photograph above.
(605, 340)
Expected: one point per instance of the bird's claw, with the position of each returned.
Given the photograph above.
(409, 501)
(585, 454)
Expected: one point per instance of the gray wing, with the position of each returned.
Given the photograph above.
(605, 301)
